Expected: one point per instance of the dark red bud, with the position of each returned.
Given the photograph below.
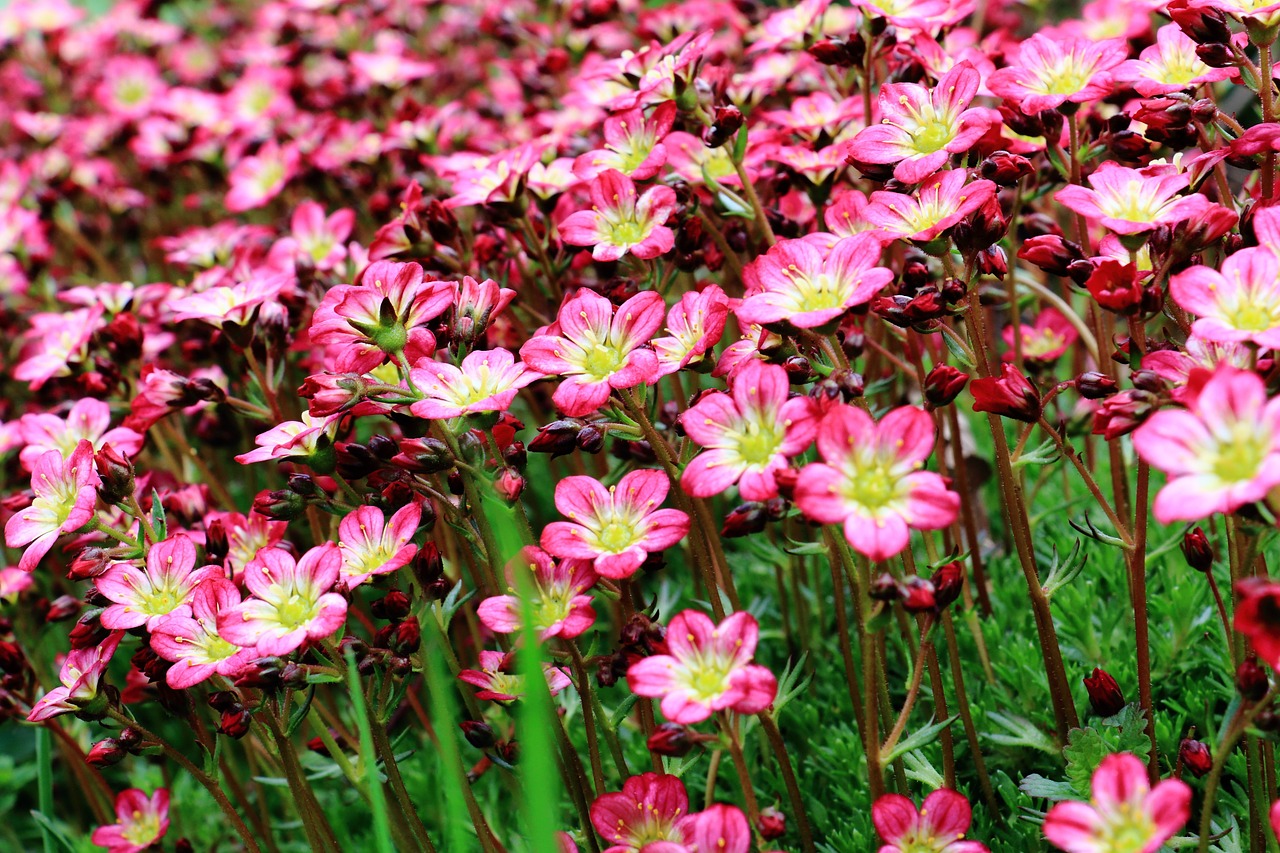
(948, 582)
(672, 740)
(393, 606)
(1251, 679)
(1095, 386)
(235, 722)
(1195, 757)
(1197, 550)
(478, 734)
(116, 472)
(943, 384)
(771, 823)
(105, 753)
(1104, 693)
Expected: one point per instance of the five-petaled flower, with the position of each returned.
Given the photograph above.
(1220, 453)
(938, 826)
(165, 588)
(1048, 72)
(65, 496)
(486, 381)
(708, 669)
(615, 527)
(620, 222)
(555, 595)
(374, 545)
(192, 642)
(651, 809)
(597, 350)
(291, 602)
(1240, 303)
(1133, 201)
(141, 822)
(81, 677)
(749, 433)
(1125, 813)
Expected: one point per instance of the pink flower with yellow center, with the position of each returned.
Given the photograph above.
(922, 15)
(486, 381)
(557, 597)
(257, 179)
(1125, 812)
(141, 822)
(1131, 201)
(596, 349)
(1178, 367)
(1047, 72)
(620, 222)
(165, 588)
(940, 202)
(938, 826)
(871, 479)
(632, 144)
(235, 304)
(1220, 453)
(651, 810)
(499, 680)
(811, 281)
(615, 527)
(920, 128)
(317, 239)
(291, 601)
(81, 677)
(88, 420)
(309, 440)
(708, 669)
(66, 492)
(374, 545)
(1044, 340)
(749, 433)
(192, 642)
(694, 325)
(1237, 304)
(1170, 65)
(382, 315)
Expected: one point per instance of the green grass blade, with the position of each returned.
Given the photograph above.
(368, 760)
(444, 719)
(44, 784)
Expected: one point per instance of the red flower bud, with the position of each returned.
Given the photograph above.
(1196, 550)
(1050, 253)
(1251, 679)
(509, 484)
(116, 472)
(105, 753)
(1095, 386)
(1010, 396)
(1195, 757)
(1005, 169)
(948, 582)
(406, 637)
(771, 823)
(728, 120)
(478, 734)
(280, 504)
(672, 740)
(1104, 693)
(838, 52)
(943, 384)
(1115, 286)
(920, 596)
(235, 722)
(393, 606)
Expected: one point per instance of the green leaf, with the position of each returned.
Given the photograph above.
(299, 713)
(1040, 787)
(957, 353)
(50, 830)
(917, 739)
(323, 678)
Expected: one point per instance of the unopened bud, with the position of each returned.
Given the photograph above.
(1104, 693)
(671, 740)
(1251, 679)
(771, 823)
(1195, 757)
(1197, 550)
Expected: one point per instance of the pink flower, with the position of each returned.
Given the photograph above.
(382, 315)
(923, 15)
(921, 128)
(556, 597)
(372, 545)
(317, 239)
(708, 669)
(695, 324)
(749, 433)
(492, 180)
(1044, 340)
(191, 641)
(597, 350)
(1170, 65)
(499, 682)
(1177, 367)
(235, 304)
(937, 827)
(648, 815)
(722, 829)
(257, 179)
(81, 677)
(1220, 453)
(1049, 72)
(619, 222)
(88, 420)
(309, 440)
(66, 492)
(165, 588)
(475, 305)
(142, 821)
(487, 381)
(809, 282)
(1125, 811)
(1240, 303)
(615, 527)
(940, 202)
(57, 342)
(1132, 201)
(291, 604)
(632, 144)
(871, 480)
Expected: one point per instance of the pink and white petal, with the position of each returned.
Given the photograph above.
(564, 539)
(580, 496)
(577, 397)
(1190, 498)
(664, 528)
(621, 565)
(878, 538)
(818, 494)
(1169, 806)
(500, 614)
(710, 473)
(907, 433)
(945, 814)
(1074, 827)
(652, 676)
(758, 688)
(643, 487)
(894, 817)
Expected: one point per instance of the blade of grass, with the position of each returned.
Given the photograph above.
(444, 717)
(538, 771)
(44, 784)
(368, 764)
